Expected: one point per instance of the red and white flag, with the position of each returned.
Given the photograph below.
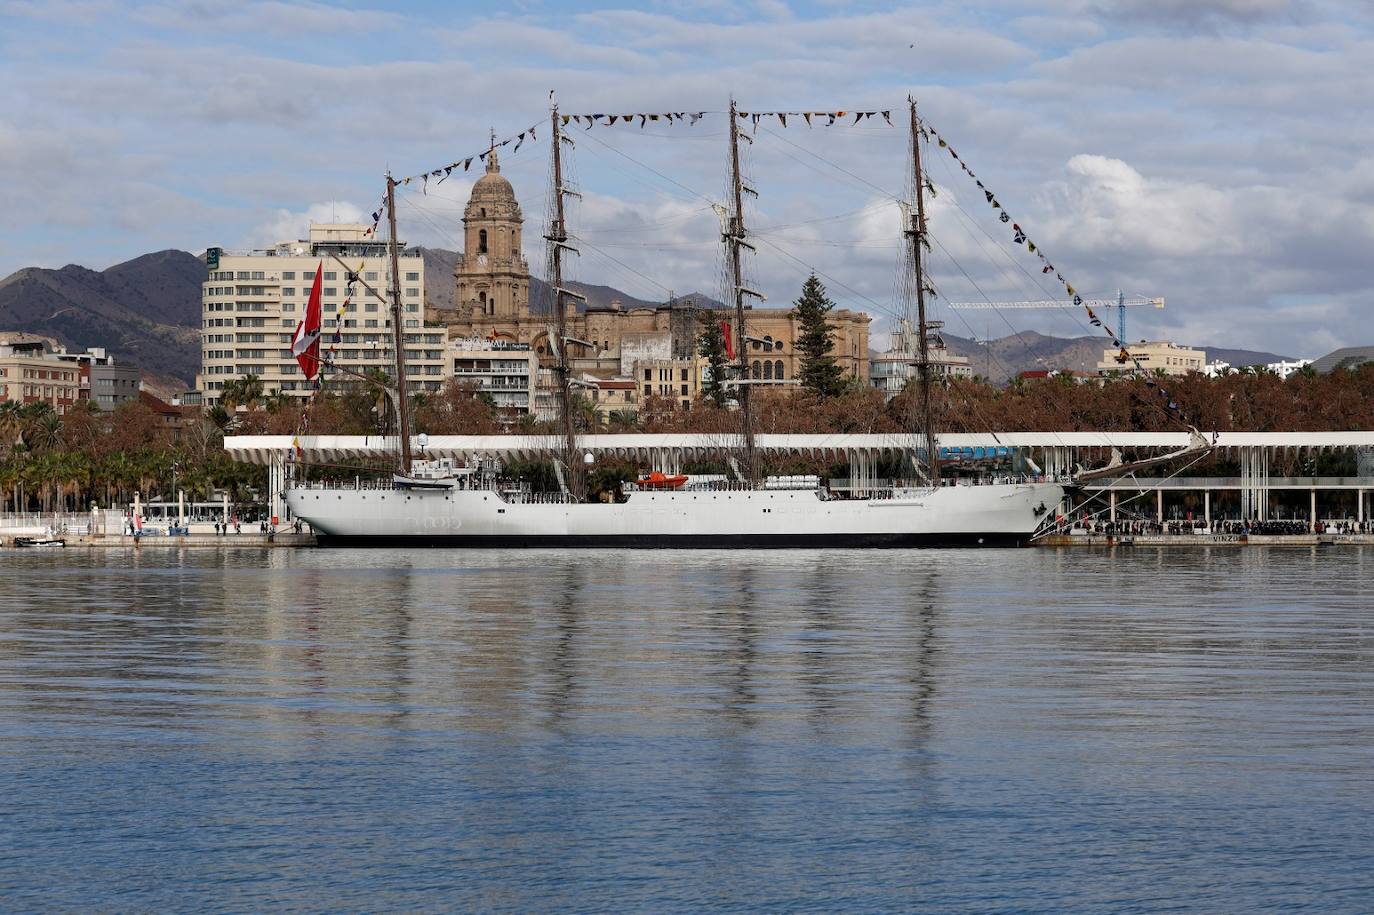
(305, 345)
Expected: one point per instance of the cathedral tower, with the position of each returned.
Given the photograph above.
(493, 277)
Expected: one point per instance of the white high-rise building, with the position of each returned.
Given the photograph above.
(252, 301)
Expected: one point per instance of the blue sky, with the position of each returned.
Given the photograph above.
(1215, 152)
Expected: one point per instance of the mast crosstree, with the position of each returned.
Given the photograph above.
(397, 330)
(733, 235)
(557, 238)
(916, 231)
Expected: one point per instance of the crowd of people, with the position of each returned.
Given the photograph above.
(1141, 527)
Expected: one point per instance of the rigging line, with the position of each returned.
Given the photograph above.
(640, 227)
(1036, 280)
(885, 308)
(452, 239)
(1139, 495)
(1015, 333)
(622, 264)
(1073, 314)
(833, 165)
(644, 180)
(658, 246)
(882, 204)
(591, 135)
(793, 240)
(805, 164)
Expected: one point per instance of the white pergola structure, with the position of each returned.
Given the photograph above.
(1056, 453)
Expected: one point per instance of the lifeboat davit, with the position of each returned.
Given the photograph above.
(660, 480)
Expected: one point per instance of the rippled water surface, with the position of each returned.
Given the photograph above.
(660, 731)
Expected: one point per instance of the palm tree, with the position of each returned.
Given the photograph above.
(243, 392)
(45, 432)
(274, 401)
(11, 422)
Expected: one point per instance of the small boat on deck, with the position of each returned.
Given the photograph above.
(661, 480)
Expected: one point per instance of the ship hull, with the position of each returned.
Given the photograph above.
(994, 515)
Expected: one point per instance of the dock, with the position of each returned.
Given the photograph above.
(1202, 540)
(188, 541)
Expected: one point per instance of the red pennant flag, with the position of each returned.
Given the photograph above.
(305, 344)
(729, 339)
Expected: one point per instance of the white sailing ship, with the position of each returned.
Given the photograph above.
(438, 503)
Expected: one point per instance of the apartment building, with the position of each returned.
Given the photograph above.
(1154, 356)
(506, 372)
(104, 382)
(30, 372)
(252, 302)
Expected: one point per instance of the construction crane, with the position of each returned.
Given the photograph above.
(1122, 302)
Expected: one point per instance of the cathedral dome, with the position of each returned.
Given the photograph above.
(493, 192)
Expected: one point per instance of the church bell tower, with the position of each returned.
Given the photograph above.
(493, 277)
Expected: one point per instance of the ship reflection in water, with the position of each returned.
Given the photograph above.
(673, 731)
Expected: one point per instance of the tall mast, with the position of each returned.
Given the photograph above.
(558, 242)
(734, 237)
(397, 332)
(917, 233)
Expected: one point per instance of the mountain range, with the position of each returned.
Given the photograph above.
(146, 312)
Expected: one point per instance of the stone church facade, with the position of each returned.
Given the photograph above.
(493, 296)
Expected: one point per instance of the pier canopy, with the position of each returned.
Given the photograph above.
(1057, 451)
(1053, 453)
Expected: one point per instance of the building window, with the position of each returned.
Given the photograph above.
(777, 370)
(757, 369)
(288, 274)
(288, 291)
(482, 239)
(684, 375)
(767, 370)
(684, 390)
(648, 390)
(371, 276)
(412, 277)
(330, 275)
(308, 275)
(412, 292)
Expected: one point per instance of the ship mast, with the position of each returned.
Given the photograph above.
(916, 231)
(397, 332)
(557, 239)
(734, 238)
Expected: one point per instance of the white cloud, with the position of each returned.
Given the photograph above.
(1211, 151)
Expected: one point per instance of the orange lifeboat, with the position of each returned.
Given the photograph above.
(660, 480)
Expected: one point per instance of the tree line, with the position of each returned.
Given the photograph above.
(66, 462)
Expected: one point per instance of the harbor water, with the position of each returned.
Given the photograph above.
(1136, 729)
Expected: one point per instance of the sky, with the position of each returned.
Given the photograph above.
(1213, 152)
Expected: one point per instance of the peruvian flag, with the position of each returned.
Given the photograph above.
(729, 339)
(305, 345)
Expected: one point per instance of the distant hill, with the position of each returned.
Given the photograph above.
(1007, 357)
(441, 263)
(145, 311)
